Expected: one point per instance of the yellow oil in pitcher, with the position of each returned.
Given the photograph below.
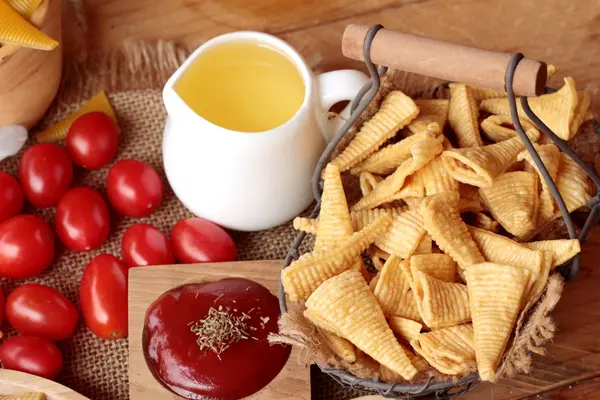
(244, 86)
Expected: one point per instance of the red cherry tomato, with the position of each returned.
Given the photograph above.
(46, 173)
(103, 297)
(92, 140)
(33, 355)
(11, 197)
(26, 247)
(134, 188)
(82, 219)
(39, 310)
(196, 240)
(143, 244)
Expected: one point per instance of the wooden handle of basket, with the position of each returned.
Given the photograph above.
(444, 60)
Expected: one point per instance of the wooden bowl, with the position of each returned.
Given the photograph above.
(29, 78)
(14, 383)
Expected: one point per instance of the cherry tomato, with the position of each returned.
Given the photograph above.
(143, 244)
(134, 188)
(39, 310)
(92, 140)
(103, 297)
(82, 219)
(26, 247)
(11, 197)
(33, 355)
(46, 173)
(196, 240)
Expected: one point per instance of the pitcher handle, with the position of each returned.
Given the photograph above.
(336, 86)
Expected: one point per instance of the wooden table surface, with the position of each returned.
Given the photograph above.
(562, 32)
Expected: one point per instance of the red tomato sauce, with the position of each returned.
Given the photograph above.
(236, 369)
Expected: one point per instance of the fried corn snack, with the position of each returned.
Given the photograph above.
(346, 302)
(403, 235)
(429, 180)
(499, 249)
(24, 396)
(495, 294)
(425, 245)
(440, 303)
(442, 221)
(449, 350)
(479, 166)
(480, 93)
(340, 346)
(407, 329)
(304, 275)
(421, 153)
(550, 156)
(368, 181)
(335, 224)
(483, 221)
(572, 183)
(440, 266)
(551, 70)
(498, 128)
(391, 287)
(396, 111)
(584, 100)
(417, 361)
(359, 219)
(59, 131)
(538, 285)
(387, 159)
(562, 249)
(16, 30)
(432, 111)
(25, 7)
(307, 225)
(462, 116)
(513, 201)
(556, 110)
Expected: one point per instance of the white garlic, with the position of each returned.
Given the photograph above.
(12, 139)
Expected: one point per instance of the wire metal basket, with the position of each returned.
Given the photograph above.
(451, 388)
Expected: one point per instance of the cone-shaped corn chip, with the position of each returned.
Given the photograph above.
(572, 183)
(391, 287)
(442, 221)
(552, 70)
(304, 275)
(440, 303)
(407, 329)
(347, 303)
(368, 181)
(322, 322)
(16, 30)
(421, 153)
(481, 165)
(429, 180)
(60, 130)
(413, 203)
(439, 266)
(550, 155)
(498, 128)
(584, 100)
(425, 245)
(499, 249)
(483, 221)
(538, 285)
(556, 110)
(396, 111)
(495, 293)
(403, 235)
(417, 361)
(462, 116)
(449, 350)
(513, 201)
(387, 159)
(480, 93)
(563, 249)
(306, 224)
(340, 346)
(335, 224)
(25, 7)
(430, 112)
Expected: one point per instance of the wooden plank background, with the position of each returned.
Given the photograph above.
(562, 32)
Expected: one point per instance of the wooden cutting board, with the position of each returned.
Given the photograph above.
(148, 283)
(13, 383)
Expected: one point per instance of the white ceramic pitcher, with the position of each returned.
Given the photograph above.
(252, 181)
